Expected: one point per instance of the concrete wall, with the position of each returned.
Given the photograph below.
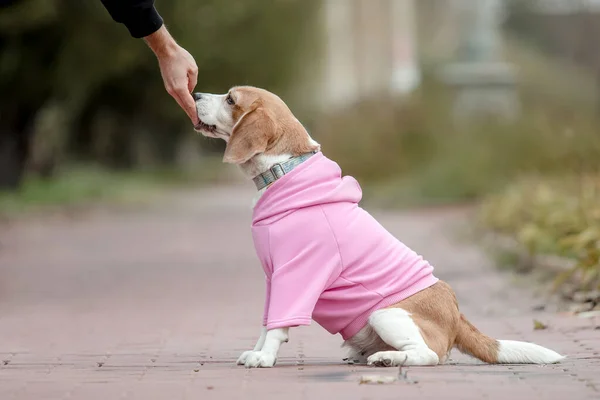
(370, 50)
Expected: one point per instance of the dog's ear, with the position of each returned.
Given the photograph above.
(251, 135)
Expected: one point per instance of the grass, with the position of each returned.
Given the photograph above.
(557, 216)
(82, 185)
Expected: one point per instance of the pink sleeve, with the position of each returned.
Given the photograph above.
(267, 299)
(305, 263)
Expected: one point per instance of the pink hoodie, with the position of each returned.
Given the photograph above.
(325, 257)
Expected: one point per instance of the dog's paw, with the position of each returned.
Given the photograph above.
(259, 359)
(387, 359)
(421, 356)
(355, 357)
(244, 357)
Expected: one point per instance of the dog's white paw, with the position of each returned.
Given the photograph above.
(242, 359)
(387, 359)
(260, 359)
(356, 357)
(421, 356)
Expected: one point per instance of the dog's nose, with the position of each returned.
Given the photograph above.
(197, 96)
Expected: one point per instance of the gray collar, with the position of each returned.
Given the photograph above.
(278, 170)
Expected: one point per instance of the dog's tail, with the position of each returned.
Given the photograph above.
(471, 341)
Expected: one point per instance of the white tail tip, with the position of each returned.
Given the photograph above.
(514, 352)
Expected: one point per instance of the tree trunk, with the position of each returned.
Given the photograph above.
(12, 162)
(15, 134)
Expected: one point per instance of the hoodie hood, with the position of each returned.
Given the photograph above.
(315, 182)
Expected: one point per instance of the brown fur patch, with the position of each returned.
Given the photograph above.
(265, 124)
(237, 112)
(251, 135)
(435, 311)
(471, 341)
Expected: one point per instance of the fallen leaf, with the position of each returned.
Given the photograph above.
(376, 379)
(537, 325)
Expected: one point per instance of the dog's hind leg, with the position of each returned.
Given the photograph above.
(397, 329)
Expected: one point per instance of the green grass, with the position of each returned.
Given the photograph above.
(84, 185)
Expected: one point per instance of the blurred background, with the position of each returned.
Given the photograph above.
(425, 102)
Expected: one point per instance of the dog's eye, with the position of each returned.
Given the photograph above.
(229, 100)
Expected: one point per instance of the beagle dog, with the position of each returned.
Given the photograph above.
(326, 259)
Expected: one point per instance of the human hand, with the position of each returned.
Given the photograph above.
(178, 70)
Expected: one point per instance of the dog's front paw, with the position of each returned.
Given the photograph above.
(259, 359)
(244, 357)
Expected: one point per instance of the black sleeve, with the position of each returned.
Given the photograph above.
(139, 16)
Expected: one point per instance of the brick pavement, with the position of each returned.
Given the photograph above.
(157, 303)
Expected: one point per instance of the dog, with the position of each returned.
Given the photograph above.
(328, 260)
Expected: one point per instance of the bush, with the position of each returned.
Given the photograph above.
(559, 216)
(413, 150)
